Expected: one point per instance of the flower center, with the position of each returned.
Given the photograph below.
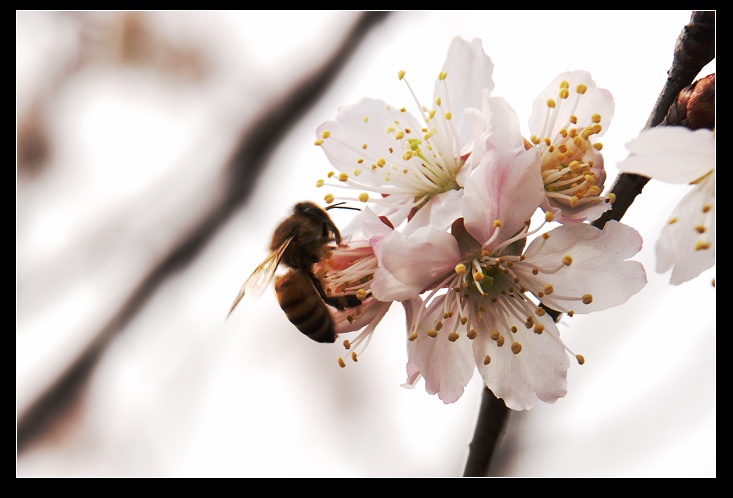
(568, 155)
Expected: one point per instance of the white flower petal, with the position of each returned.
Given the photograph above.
(599, 265)
(446, 366)
(672, 154)
(537, 372)
(594, 101)
(469, 71)
(676, 246)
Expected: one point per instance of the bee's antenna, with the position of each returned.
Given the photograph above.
(340, 206)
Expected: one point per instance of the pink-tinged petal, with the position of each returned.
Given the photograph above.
(537, 372)
(672, 154)
(415, 262)
(372, 226)
(439, 212)
(506, 186)
(598, 265)
(360, 136)
(495, 126)
(687, 246)
(594, 101)
(446, 366)
(468, 72)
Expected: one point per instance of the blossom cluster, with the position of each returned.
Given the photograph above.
(480, 233)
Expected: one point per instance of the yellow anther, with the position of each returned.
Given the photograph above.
(564, 93)
(453, 337)
(596, 118)
(320, 183)
(401, 74)
(594, 190)
(318, 142)
(581, 88)
(549, 216)
(672, 221)
(438, 326)
(460, 268)
(611, 197)
(706, 208)
(548, 289)
(365, 119)
(363, 197)
(354, 356)
(347, 344)
(538, 328)
(500, 341)
(472, 334)
(478, 276)
(571, 313)
(487, 360)
(433, 333)
(438, 101)
(580, 358)
(341, 363)
(448, 115)
(343, 177)
(326, 134)
(587, 298)
(574, 119)
(361, 294)
(498, 224)
(701, 245)
(516, 347)
(432, 113)
(551, 103)
(564, 84)
(442, 75)
(535, 139)
(574, 201)
(701, 228)
(540, 312)
(412, 336)
(545, 235)
(364, 146)
(598, 146)
(495, 335)
(328, 198)
(357, 172)
(567, 260)
(464, 320)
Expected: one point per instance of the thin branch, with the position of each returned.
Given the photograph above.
(492, 420)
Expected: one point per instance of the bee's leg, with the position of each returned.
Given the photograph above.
(338, 302)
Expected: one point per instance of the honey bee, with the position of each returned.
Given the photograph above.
(303, 239)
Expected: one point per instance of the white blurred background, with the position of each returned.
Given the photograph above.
(133, 131)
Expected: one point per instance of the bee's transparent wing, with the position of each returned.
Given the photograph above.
(261, 276)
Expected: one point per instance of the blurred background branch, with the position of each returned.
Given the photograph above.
(189, 216)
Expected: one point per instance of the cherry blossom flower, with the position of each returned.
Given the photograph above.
(485, 310)
(411, 162)
(678, 155)
(565, 123)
